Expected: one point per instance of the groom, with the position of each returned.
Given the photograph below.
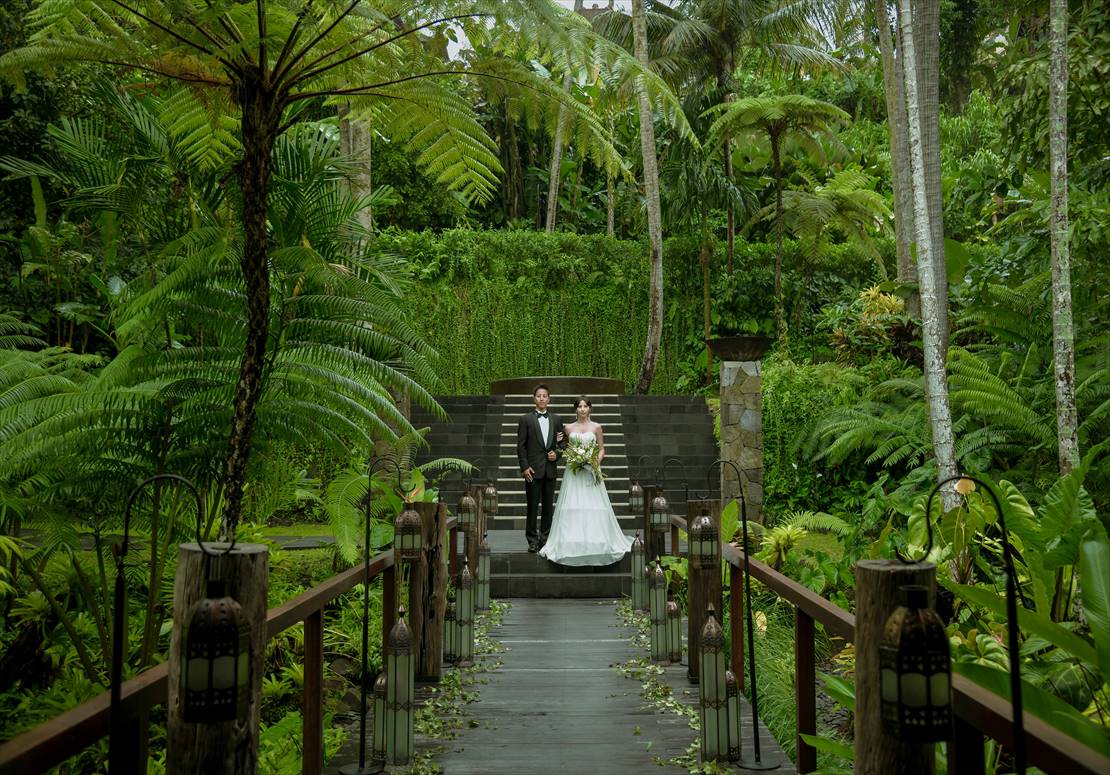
(539, 436)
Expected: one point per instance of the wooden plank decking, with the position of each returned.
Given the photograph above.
(559, 705)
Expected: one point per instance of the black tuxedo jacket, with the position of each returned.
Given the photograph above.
(532, 449)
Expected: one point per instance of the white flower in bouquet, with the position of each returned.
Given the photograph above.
(581, 454)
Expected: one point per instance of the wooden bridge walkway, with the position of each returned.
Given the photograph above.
(558, 703)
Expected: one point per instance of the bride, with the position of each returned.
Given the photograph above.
(584, 529)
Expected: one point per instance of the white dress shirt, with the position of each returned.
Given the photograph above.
(545, 426)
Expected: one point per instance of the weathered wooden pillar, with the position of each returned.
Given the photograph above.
(428, 592)
(703, 588)
(230, 747)
(877, 595)
(654, 540)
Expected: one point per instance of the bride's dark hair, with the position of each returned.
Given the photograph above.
(580, 399)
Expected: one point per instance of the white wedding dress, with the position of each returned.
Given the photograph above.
(584, 529)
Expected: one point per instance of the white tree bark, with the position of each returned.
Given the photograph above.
(654, 210)
(895, 96)
(1063, 329)
(554, 175)
(936, 382)
(354, 142)
(926, 31)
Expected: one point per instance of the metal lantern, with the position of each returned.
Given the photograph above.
(916, 677)
(636, 497)
(450, 635)
(711, 684)
(378, 754)
(482, 601)
(468, 510)
(674, 631)
(639, 586)
(215, 681)
(705, 542)
(399, 707)
(657, 594)
(464, 617)
(732, 707)
(489, 499)
(407, 535)
(660, 512)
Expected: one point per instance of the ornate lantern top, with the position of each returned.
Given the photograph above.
(657, 579)
(712, 636)
(468, 509)
(636, 496)
(400, 637)
(489, 498)
(638, 544)
(483, 548)
(466, 578)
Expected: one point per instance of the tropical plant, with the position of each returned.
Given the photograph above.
(778, 118)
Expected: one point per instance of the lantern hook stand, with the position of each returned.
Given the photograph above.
(635, 489)
(116, 742)
(756, 763)
(661, 475)
(1012, 592)
(375, 767)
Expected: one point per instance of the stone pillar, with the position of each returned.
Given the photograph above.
(742, 432)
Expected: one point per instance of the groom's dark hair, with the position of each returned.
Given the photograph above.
(540, 387)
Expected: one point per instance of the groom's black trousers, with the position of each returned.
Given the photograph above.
(541, 502)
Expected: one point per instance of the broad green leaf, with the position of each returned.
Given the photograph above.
(1094, 580)
(836, 748)
(1036, 701)
(956, 259)
(1028, 621)
(841, 690)
(1065, 517)
(1022, 524)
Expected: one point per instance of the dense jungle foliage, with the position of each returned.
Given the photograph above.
(427, 236)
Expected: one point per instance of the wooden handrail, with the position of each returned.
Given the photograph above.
(69, 733)
(980, 709)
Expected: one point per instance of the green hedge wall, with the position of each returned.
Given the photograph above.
(499, 304)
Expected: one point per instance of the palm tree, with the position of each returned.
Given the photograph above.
(790, 116)
(929, 255)
(266, 62)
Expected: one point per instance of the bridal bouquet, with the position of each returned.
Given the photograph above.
(581, 455)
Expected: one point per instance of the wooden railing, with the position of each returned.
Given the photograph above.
(978, 713)
(54, 741)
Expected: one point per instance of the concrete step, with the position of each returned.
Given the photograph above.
(561, 585)
(522, 563)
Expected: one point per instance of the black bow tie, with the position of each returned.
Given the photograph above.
(541, 414)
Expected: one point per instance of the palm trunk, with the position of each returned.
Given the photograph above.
(1063, 330)
(654, 210)
(610, 194)
(926, 31)
(259, 126)
(705, 259)
(556, 161)
(730, 214)
(899, 154)
(776, 160)
(354, 142)
(940, 412)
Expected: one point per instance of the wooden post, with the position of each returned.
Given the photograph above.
(389, 607)
(877, 595)
(474, 533)
(654, 540)
(736, 621)
(231, 747)
(428, 592)
(703, 588)
(312, 701)
(453, 551)
(805, 690)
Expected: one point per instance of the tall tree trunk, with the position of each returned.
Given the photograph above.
(776, 160)
(894, 93)
(556, 160)
(259, 126)
(1063, 330)
(705, 258)
(730, 211)
(515, 206)
(940, 411)
(610, 194)
(654, 210)
(355, 142)
(926, 32)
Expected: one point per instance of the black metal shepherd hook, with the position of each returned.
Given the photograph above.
(117, 745)
(375, 465)
(757, 762)
(661, 475)
(1012, 593)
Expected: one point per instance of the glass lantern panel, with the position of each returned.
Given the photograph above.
(243, 670)
(223, 672)
(938, 689)
(889, 685)
(914, 687)
(196, 674)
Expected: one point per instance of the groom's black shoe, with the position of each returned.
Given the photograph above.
(533, 548)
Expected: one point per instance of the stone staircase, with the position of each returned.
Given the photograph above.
(484, 428)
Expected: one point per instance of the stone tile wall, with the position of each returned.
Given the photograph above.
(742, 432)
